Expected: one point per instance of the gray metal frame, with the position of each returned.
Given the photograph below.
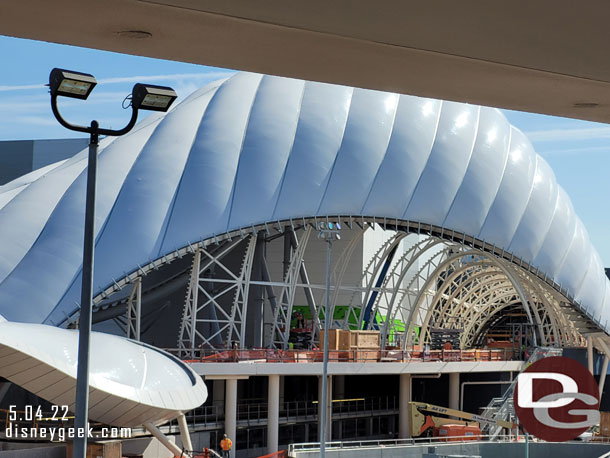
(430, 283)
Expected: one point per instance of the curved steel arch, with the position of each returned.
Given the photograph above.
(253, 151)
(395, 277)
(464, 307)
(439, 270)
(460, 247)
(469, 337)
(397, 295)
(465, 286)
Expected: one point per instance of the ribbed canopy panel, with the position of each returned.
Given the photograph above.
(252, 149)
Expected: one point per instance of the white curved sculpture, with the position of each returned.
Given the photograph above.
(130, 383)
(255, 149)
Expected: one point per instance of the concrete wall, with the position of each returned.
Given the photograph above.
(23, 156)
(485, 450)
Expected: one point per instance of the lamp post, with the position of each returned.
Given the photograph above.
(79, 85)
(329, 232)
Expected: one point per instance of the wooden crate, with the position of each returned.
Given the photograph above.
(364, 339)
(366, 356)
(338, 339)
(110, 449)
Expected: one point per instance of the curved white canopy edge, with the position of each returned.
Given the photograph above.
(253, 149)
(143, 385)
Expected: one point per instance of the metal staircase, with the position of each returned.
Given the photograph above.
(502, 408)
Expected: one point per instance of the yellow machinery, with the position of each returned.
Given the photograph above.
(423, 422)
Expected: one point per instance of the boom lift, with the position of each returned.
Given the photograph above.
(423, 423)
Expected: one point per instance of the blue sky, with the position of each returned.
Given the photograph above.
(578, 151)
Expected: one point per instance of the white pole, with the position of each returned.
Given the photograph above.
(327, 318)
(231, 411)
(273, 415)
(602, 376)
(404, 398)
(184, 433)
(152, 429)
(454, 390)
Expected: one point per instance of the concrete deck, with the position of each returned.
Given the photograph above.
(252, 368)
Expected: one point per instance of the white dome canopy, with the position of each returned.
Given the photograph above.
(253, 149)
(143, 385)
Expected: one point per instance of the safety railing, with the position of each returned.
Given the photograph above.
(382, 403)
(205, 415)
(502, 408)
(299, 409)
(252, 412)
(419, 441)
(267, 355)
(379, 443)
(293, 410)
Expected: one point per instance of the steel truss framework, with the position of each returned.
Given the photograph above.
(442, 279)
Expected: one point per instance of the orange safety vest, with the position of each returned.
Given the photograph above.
(226, 444)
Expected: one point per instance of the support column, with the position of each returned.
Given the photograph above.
(590, 354)
(329, 411)
(404, 392)
(602, 375)
(256, 305)
(454, 390)
(184, 433)
(134, 310)
(273, 413)
(231, 412)
(173, 448)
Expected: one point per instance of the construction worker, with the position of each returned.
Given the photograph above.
(225, 446)
(300, 321)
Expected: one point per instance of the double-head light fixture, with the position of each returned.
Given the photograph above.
(329, 230)
(78, 85)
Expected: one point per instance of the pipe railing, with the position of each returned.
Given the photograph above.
(293, 410)
(385, 443)
(266, 355)
(379, 443)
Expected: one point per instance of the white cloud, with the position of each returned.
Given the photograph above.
(21, 87)
(584, 150)
(171, 76)
(551, 135)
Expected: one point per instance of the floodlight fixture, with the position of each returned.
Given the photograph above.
(79, 85)
(72, 84)
(151, 97)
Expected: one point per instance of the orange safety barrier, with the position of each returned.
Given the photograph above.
(357, 356)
